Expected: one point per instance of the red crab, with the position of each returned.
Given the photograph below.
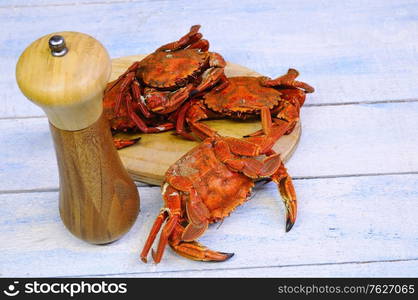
(208, 183)
(159, 84)
(243, 98)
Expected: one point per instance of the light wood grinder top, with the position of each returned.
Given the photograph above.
(65, 74)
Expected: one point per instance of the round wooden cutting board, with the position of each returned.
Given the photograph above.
(149, 159)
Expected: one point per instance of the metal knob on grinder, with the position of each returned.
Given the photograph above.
(65, 74)
(57, 45)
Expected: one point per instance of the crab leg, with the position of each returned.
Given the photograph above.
(165, 234)
(258, 145)
(141, 124)
(249, 166)
(202, 130)
(171, 211)
(164, 103)
(183, 239)
(144, 110)
(288, 113)
(175, 234)
(209, 78)
(180, 122)
(216, 60)
(271, 166)
(130, 79)
(196, 251)
(287, 191)
(136, 94)
(266, 120)
(131, 69)
(288, 80)
(274, 168)
(192, 249)
(178, 97)
(215, 74)
(254, 168)
(191, 114)
(122, 88)
(202, 45)
(153, 234)
(197, 213)
(223, 83)
(198, 216)
(190, 38)
(295, 96)
(121, 143)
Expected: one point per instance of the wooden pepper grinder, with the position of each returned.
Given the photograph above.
(65, 74)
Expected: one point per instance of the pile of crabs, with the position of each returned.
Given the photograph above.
(176, 87)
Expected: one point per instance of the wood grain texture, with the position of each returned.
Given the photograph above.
(350, 51)
(68, 88)
(98, 200)
(349, 269)
(351, 220)
(336, 141)
(149, 159)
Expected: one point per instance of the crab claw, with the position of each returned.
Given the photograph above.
(196, 251)
(288, 80)
(192, 37)
(289, 224)
(121, 143)
(287, 191)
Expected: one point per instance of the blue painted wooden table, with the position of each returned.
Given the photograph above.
(355, 171)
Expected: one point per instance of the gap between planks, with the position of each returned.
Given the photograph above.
(389, 101)
(252, 267)
(50, 190)
(142, 185)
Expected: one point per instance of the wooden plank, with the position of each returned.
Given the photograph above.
(46, 3)
(336, 141)
(357, 139)
(369, 269)
(349, 52)
(340, 220)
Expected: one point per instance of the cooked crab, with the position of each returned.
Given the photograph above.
(156, 86)
(243, 98)
(208, 183)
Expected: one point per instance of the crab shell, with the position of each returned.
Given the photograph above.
(244, 97)
(171, 70)
(220, 189)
